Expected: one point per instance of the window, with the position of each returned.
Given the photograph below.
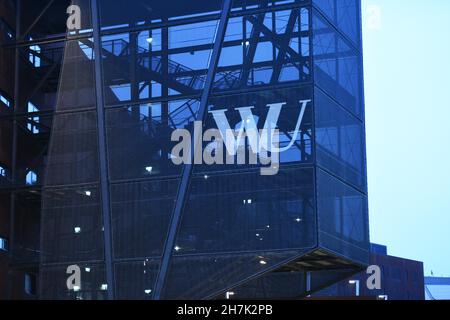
(150, 40)
(195, 34)
(31, 178)
(3, 244)
(2, 172)
(33, 124)
(30, 284)
(4, 100)
(122, 92)
(34, 55)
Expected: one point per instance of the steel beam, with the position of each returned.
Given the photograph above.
(172, 83)
(284, 46)
(12, 207)
(273, 37)
(183, 189)
(33, 24)
(42, 81)
(104, 179)
(254, 40)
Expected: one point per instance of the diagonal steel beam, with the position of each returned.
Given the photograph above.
(33, 24)
(183, 188)
(273, 37)
(284, 46)
(16, 109)
(42, 81)
(173, 84)
(254, 40)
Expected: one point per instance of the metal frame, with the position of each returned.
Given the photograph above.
(254, 40)
(14, 147)
(284, 46)
(104, 180)
(44, 10)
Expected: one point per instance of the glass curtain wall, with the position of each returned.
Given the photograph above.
(87, 165)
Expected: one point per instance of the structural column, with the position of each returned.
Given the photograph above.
(12, 218)
(104, 179)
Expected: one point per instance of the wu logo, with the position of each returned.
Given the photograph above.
(227, 146)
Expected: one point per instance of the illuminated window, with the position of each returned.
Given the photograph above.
(33, 124)
(30, 284)
(31, 178)
(3, 244)
(4, 100)
(2, 172)
(34, 55)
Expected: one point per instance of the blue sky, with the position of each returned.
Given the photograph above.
(407, 84)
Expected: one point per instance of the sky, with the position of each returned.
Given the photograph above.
(407, 88)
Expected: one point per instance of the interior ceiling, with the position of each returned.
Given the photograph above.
(121, 11)
(140, 10)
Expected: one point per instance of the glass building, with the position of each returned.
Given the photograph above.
(91, 92)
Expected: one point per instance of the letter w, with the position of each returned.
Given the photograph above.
(250, 126)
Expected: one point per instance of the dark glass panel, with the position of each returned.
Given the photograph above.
(53, 283)
(136, 280)
(343, 218)
(340, 143)
(76, 86)
(26, 249)
(73, 153)
(72, 228)
(248, 212)
(344, 14)
(140, 217)
(337, 66)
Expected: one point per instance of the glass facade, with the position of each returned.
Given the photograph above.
(87, 153)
